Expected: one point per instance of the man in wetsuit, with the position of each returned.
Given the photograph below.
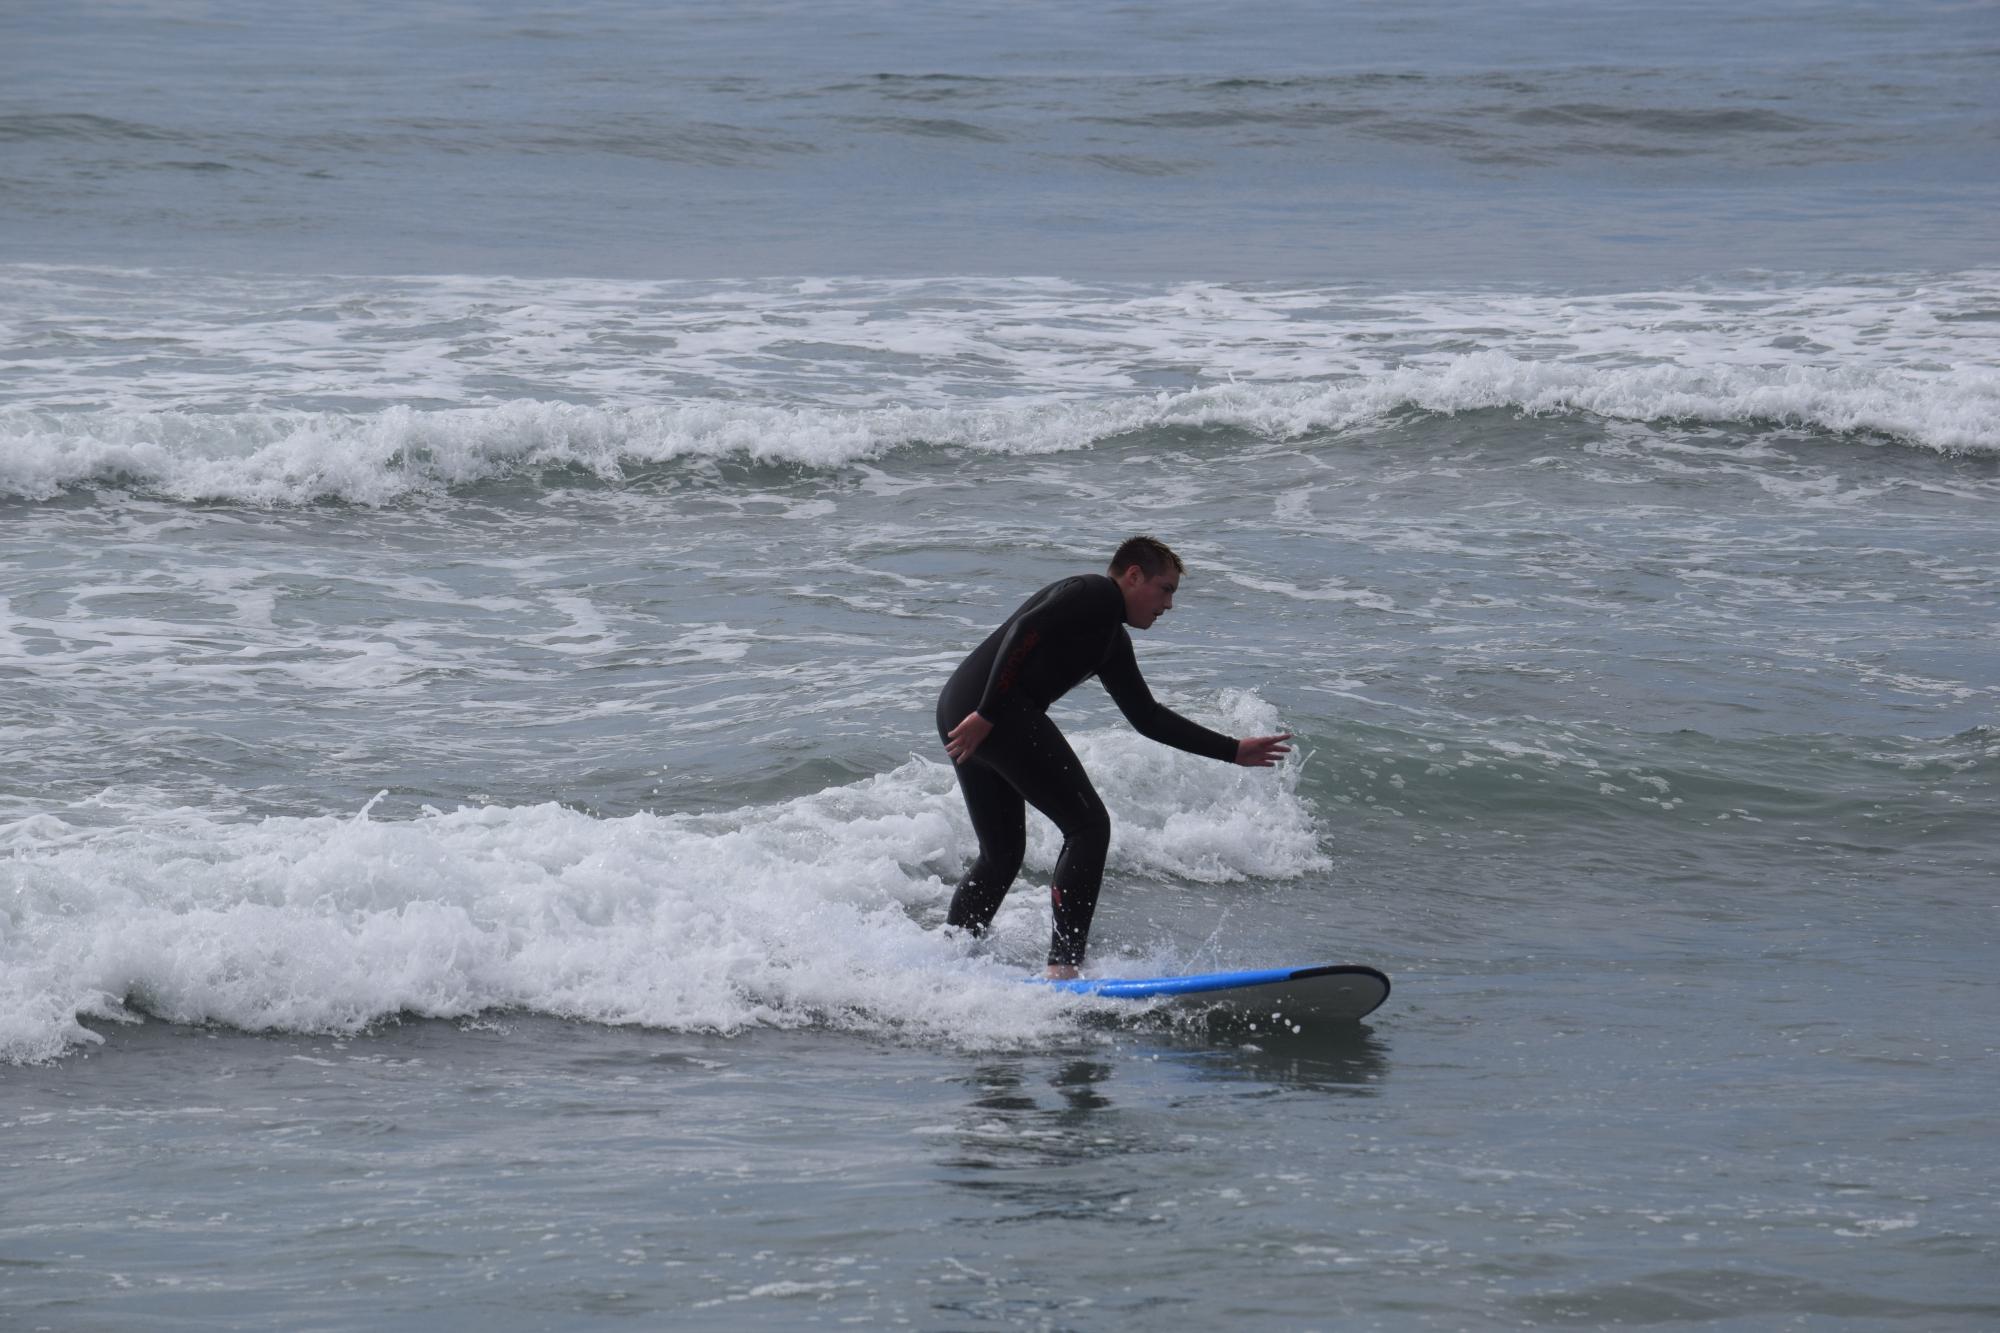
(993, 717)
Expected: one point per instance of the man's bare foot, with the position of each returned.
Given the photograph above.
(1061, 972)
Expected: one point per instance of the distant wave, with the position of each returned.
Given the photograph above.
(26, 127)
(380, 457)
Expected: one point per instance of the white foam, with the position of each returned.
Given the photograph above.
(397, 453)
(275, 390)
(817, 910)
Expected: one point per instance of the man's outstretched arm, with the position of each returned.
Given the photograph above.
(1155, 721)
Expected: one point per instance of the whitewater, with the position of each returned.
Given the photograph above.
(228, 403)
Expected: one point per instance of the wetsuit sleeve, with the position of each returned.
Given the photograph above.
(1056, 616)
(1151, 718)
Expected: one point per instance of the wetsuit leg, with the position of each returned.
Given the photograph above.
(1030, 755)
(1000, 819)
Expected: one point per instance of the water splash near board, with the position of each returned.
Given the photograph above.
(1285, 996)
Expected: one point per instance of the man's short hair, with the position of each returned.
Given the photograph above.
(1150, 554)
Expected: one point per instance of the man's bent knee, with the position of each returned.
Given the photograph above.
(1088, 833)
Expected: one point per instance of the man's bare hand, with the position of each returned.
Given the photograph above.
(966, 736)
(1259, 751)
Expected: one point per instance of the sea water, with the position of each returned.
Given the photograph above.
(488, 497)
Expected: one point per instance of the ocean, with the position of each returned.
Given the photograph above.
(489, 496)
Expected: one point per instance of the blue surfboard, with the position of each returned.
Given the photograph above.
(1327, 991)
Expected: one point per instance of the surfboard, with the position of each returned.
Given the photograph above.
(1286, 994)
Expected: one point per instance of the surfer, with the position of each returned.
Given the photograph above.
(993, 718)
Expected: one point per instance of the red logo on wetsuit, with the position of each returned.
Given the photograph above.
(1012, 670)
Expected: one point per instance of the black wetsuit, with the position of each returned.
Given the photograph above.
(1066, 632)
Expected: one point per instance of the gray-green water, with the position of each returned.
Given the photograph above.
(472, 839)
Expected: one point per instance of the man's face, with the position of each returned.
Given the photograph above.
(1146, 598)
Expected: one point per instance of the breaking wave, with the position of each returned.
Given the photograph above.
(381, 457)
(820, 910)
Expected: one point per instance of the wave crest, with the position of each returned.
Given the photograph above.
(296, 457)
